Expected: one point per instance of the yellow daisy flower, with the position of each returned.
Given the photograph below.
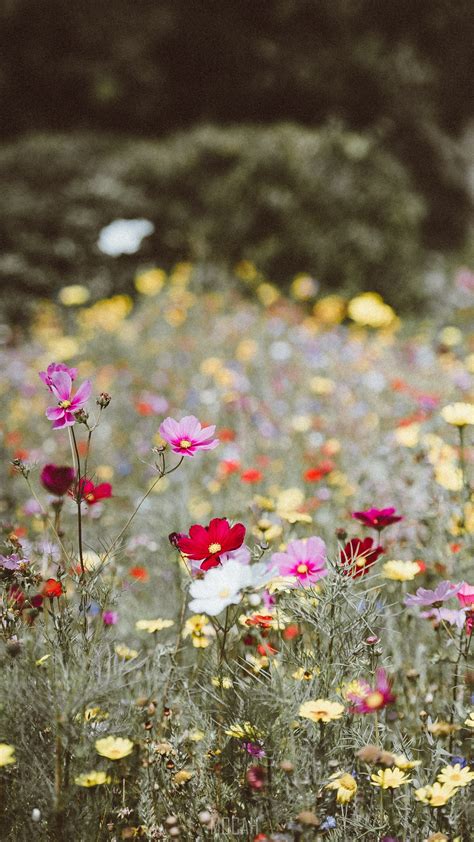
(458, 414)
(436, 796)
(114, 748)
(321, 710)
(402, 762)
(345, 786)
(389, 778)
(456, 775)
(400, 571)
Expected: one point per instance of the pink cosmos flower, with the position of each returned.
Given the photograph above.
(62, 415)
(465, 595)
(369, 699)
(53, 368)
(188, 435)
(425, 597)
(378, 518)
(304, 559)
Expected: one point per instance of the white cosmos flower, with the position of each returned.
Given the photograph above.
(222, 586)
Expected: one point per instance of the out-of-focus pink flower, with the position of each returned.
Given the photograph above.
(256, 777)
(13, 562)
(367, 699)
(109, 618)
(62, 415)
(57, 479)
(465, 595)
(378, 518)
(304, 559)
(446, 615)
(358, 556)
(188, 436)
(53, 368)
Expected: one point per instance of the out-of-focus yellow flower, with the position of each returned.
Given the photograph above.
(91, 560)
(403, 763)
(450, 336)
(408, 435)
(210, 366)
(95, 714)
(345, 786)
(125, 652)
(246, 350)
(389, 778)
(321, 710)
(449, 476)
(114, 748)
(400, 571)
(88, 779)
(152, 626)
(74, 295)
(302, 675)
(199, 508)
(436, 795)
(330, 310)
(301, 423)
(7, 754)
(63, 347)
(456, 776)
(322, 385)
(458, 414)
(370, 310)
(303, 287)
(246, 729)
(470, 720)
(196, 736)
(106, 314)
(226, 683)
(42, 660)
(440, 728)
(182, 777)
(150, 282)
(469, 363)
(247, 271)
(267, 294)
(200, 629)
(181, 274)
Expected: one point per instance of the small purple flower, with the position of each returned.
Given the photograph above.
(329, 823)
(425, 597)
(110, 618)
(12, 562)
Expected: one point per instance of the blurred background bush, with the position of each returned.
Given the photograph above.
(305, 136)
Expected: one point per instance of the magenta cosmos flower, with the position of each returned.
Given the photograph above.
(53, 368)
(62, 415)
(304, 559)
(188, 435)
(465, 595)
(367, 699)
(378, 518)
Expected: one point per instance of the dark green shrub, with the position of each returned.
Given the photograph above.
(329, 202)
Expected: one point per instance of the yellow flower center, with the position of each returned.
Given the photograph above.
(185, 443)
(214, 548)
(360, 561)
(302, 568)
(374, 700)
(90, 497)
(224, 593)
(64, 404)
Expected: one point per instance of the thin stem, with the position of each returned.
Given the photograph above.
(161, 474)
(78, 500)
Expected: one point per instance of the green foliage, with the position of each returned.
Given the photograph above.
(329, 202)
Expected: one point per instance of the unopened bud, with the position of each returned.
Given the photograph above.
(36, 815)
(81, 416)
(103, 400)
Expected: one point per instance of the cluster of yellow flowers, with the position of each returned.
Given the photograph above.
(448, 782)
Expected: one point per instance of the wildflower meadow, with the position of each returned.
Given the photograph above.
(236, 566)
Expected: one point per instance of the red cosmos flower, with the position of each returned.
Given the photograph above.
(208, 543)
(52, 588)
(358, 556)
(378, 518)
(57, 478)
(93, 493)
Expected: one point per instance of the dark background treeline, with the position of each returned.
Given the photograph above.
(400, 71)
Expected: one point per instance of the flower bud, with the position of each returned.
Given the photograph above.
(36, 815)
(204, 816)
(103, 400)
(81, 416)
